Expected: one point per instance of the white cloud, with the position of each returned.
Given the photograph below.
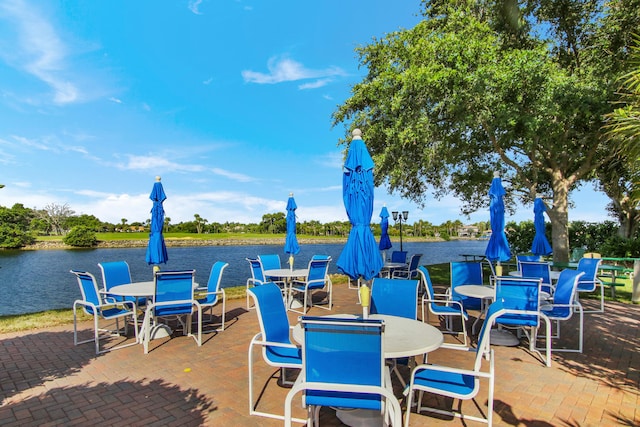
(116, 100)
(194, 5)
(232, 175)
(157, 163)
(208, 81)
(287, 70)
(31, 143)
(315, 85)
(41, 51)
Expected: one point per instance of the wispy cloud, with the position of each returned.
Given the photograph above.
(116, 100)
(41, 51)
(315, 85)
(194, 5)
(29, 142)
(232, 175)
(157, 163)
(287, 70)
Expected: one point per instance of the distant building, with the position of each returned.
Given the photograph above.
(468, 231)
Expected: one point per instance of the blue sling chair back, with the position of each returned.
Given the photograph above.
(274, 339)
(98, 306)
(343, 366)
(538, 270)
(442, 306)
(563, 306)
(317, 279)
(211, 296)
(458, 383)
(589, 281)
(173, 298)
(466, 273)
(521, 298)
(116, 273)
(395, 297)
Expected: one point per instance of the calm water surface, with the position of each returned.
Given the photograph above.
(32, 281)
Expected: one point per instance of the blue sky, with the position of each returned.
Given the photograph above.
(229, 101)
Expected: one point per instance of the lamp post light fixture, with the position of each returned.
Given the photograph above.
(400, 216)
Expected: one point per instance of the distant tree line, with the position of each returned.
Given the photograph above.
(20, 226)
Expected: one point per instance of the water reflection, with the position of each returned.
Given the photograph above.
(32, 281)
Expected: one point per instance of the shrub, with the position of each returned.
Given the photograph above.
(81, 236)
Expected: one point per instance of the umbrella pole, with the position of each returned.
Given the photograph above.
(291, 262)
(365, 294)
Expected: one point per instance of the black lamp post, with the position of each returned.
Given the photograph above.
(400, 216)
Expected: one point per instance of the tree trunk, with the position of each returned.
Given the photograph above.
(559, 216)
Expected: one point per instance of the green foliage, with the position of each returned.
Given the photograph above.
(477, 87)
(618, 247)
(88, 221)
(14, 226)
(591, 236)
(520, 236)
(81, 236)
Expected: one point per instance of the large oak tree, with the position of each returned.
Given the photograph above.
(479, 85)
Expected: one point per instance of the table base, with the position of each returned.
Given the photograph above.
(503, 338)
(360, 417)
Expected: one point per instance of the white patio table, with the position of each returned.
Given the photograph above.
(288, 275)
(142, 290)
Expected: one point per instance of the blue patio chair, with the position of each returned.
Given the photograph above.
(410, 271)
(526, 258)
(101, 307)
(395, 297)
(317, 279)
(538, 270)
(211, 296)
(116, 273)
(457, 383)
(563, 306)
(442, 306)
(270, 262)
(466, 273)
(521, 298)
(173, 298)
(589, 282)
(258, 278)
(399, 256)
(274, 338)
(343, 367)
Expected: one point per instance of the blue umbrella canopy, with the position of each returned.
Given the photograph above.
(291, 245)
(540, 245)
(385, 241)
(157, 250)
(360, 256)
(498, 247)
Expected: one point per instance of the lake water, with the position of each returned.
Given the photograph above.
(32, 281)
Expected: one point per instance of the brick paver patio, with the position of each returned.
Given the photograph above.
(45, 380)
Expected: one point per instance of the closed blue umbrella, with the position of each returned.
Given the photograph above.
(540, 245)
(291, 245)
(157, 250)
(498, 247)
(360, 256)
(385, 241)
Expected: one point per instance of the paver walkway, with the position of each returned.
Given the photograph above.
(45, 380)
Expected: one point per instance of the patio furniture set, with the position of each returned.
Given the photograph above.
(344, 360)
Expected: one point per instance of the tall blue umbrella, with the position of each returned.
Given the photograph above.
(498, 247)
(360, 256)
(157, 250)
(291, 245)
(385, 241)
(540, 245)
